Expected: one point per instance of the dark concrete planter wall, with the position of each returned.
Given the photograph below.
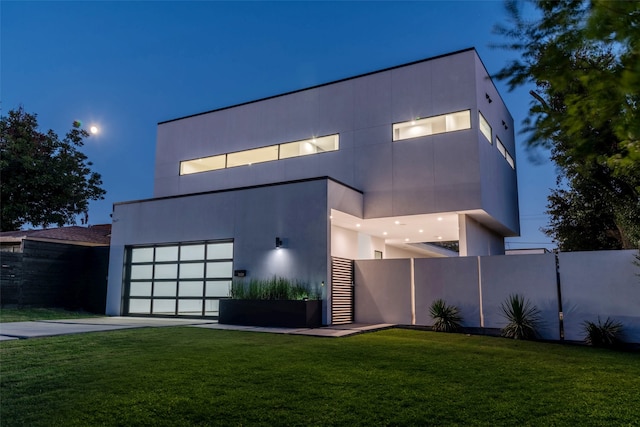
(281, 313)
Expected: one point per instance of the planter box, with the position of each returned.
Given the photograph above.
(282, 313)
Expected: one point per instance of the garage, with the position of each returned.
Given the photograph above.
(177, 279)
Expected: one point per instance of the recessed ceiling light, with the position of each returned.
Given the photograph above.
(397, 222)
(421, 231)
(357, 225)
(384, 233)
(439, 218)
(439, 237)
(406, 240)
(330, 216)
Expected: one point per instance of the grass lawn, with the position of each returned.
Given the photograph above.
(184, 376)
(28, 314)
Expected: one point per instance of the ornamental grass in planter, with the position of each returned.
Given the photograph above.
(276, 302)
(277, 288)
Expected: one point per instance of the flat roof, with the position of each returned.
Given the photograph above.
(329, 83)
(250, 187)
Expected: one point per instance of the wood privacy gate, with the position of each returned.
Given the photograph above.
(341, 291)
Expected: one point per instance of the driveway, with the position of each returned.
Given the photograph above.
(49, 328)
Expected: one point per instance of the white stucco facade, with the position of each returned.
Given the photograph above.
(375, 194)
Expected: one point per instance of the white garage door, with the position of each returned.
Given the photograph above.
(178, 279)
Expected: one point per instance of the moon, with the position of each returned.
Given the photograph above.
(93, 129)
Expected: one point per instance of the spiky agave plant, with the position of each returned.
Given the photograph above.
(446, 318)
(600, 334)
(524, 318)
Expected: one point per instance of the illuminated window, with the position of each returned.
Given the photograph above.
(309, 146)
(286, 150)
(505, 153)
(432, 125)
(501, 148)
(458, 121)
(510, 161)
(203, 165)
(249, 157)
(485, 128)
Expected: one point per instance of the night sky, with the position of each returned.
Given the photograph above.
(125, 66)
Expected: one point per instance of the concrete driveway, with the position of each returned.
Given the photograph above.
(49, 328)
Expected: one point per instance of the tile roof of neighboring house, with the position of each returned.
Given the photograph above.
(97, 235)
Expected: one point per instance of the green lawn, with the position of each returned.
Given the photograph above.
(184, 376)
(28, 314)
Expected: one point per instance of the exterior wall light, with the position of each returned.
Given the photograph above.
(278, 243)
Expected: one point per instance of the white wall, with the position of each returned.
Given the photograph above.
(453, 279)
(477, 239)
(601, 283)
(438, 173)
(532, 276)
(392, 252)
(252, 217)
(382, 292)
(351, 244)
(499, 181)
(344, 243)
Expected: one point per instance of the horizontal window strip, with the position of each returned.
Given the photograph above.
(287, 150)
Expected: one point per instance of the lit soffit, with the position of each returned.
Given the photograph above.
(440, 227)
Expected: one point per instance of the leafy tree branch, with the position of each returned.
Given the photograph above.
(45, 180)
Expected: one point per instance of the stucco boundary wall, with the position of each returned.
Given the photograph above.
(589, 284)
(603, 283)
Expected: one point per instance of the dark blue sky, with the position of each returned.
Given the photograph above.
(125, 66)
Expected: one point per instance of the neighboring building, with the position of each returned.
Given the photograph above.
(93, 235)
(374, 166)
(530, 251)
(55, 267)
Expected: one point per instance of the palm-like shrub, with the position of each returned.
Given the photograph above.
(446, 318)
(600, 334)
(524, 318)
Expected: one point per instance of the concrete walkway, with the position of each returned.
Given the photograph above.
(49, 328)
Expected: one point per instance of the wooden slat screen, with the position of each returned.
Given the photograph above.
(341, 291)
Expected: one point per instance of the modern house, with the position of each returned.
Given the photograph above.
(389, 164)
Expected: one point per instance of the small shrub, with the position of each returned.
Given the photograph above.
(605, 334)
(523, 317)
(446, 318)
(277, 288)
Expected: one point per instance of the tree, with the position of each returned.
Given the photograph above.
(45, 180)
(584, 59)
(583, 217)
